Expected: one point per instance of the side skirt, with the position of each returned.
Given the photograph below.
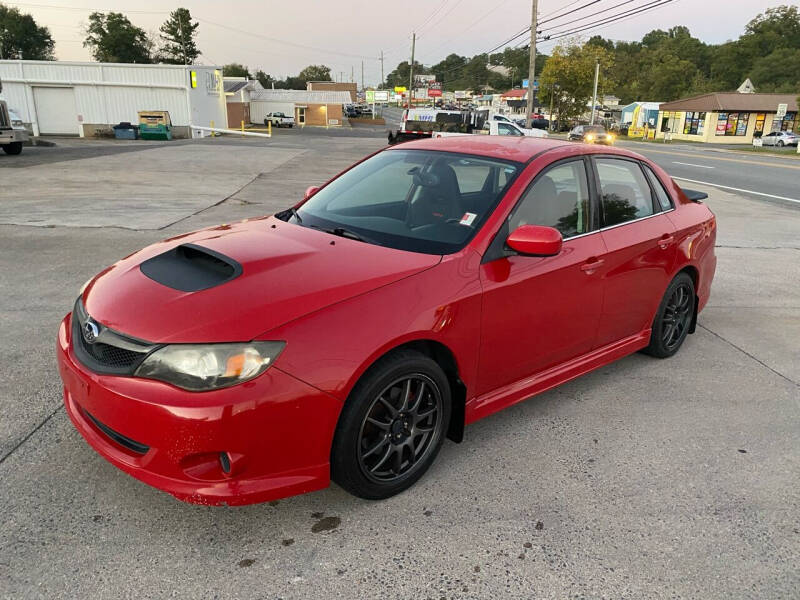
(491, 402)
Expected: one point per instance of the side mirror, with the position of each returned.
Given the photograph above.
(535, 240)
(310, 191)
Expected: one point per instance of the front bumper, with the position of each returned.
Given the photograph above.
(275, 431)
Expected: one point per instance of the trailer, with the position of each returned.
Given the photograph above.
(421, 123)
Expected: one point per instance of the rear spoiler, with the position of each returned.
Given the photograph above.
(694, 195)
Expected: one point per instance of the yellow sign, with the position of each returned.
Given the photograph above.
(399, 89)
(193, 75)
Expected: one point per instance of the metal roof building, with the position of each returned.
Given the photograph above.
(88, 98)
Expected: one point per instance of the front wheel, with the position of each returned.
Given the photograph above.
(674, 317)
(392, 426)
(12, 148)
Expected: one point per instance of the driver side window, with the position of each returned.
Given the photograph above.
(506, 129)
(558, 198)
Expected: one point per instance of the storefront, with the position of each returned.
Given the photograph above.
(727, 118)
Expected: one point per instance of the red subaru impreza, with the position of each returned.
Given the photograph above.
(424, 288)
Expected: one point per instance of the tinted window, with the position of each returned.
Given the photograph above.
(506, 129)
(661, 194)
(624, 191)
(559, 198)
(421, 201)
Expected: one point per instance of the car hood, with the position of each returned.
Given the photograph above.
(281, 272)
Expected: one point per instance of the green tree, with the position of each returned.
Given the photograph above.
(568, 76)
(21, 36)
(399, 77)
(113, 38)
(236, 70)
(315, 73)
(178, 46)
(264, 79)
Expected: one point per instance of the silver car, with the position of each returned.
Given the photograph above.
(780, 139)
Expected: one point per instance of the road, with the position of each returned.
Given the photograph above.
(763, 176)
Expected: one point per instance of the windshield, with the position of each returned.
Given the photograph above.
(416, 200)
(594, 129)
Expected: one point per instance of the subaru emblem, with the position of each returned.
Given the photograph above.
(90, 332)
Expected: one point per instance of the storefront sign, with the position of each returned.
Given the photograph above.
(399, 89)
(782, 108)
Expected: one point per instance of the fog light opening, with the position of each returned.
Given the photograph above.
(225, 462)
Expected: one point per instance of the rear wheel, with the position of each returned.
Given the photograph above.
(12, 148)
(392, 426)
(781, 143)
(674, 317)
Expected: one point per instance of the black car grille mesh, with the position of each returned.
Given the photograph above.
(111, 355)
(109, 352)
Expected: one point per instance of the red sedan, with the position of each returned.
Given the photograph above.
(424, 288)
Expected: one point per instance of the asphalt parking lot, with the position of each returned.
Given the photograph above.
(648, 478)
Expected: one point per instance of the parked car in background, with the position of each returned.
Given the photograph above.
(591, 134)
(780, 139)
(278, 119)
(426, 287)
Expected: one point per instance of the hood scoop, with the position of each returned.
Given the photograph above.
(191, 268)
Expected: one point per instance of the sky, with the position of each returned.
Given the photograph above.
(283, 37)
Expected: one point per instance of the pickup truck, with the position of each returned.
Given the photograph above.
(497, 128)
(278, 119)
(12, 134)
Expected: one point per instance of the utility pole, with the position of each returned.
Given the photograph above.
(351, 74)
(411, 69)
(532, 64)
(550, 114)
(594, 95)
(363, 87)
(382, 69)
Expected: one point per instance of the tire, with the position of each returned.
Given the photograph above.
(12, 148)
(674, 317)
(781, 144)
(406, 397)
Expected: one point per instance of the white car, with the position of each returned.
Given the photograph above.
(780, 139)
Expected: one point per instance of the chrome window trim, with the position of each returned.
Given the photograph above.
(574, 237)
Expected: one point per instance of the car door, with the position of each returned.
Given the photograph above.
(640, 248)
(769, 139)
(508, 129)
(539, 312)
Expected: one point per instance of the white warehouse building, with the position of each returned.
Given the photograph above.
(88, 98)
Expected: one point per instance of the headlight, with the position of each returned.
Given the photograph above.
(589, 137)
(200, 367)
(610, 137)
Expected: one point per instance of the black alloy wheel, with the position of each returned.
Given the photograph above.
(674, 317)
(399, 427)
(392, 426)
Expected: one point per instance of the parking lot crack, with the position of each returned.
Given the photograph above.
(205, 208)
(31, 433)
(746, 353)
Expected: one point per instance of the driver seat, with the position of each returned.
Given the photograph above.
(439, 202)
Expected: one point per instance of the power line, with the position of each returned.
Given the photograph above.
(611, 19)
(592, 14)
(574, 10)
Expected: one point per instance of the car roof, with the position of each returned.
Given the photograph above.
(517, 149)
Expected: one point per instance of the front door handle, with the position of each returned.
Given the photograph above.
(592, 266)
(665, 241)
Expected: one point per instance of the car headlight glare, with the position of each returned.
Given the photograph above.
(200, 367)
(589, 137)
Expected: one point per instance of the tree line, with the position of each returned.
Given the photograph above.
(663, 66)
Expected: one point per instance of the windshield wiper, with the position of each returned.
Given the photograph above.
(346, 233)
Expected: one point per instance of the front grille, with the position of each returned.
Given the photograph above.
(117, 437)
(5, 120)
(111, 355)
(109, 352)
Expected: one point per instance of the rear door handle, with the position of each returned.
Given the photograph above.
(592, 266)
(665, 241)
